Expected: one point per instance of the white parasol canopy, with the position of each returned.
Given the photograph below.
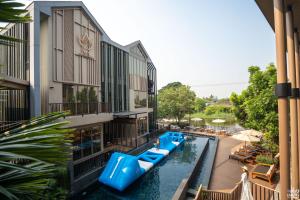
(246, 137)
(168, 120)
(218, 121)
(196, 119)
(252, 133)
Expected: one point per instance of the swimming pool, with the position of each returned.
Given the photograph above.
(162, 181)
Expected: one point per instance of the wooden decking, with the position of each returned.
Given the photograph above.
(227, 172)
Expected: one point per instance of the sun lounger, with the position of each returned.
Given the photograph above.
(264, 171)
(242, 158)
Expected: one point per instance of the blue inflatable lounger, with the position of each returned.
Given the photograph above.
(123, 169)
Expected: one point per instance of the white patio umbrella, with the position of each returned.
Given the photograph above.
(196, 119)
(245, 137)
(252, 133)
(218, 121)
(168, 120)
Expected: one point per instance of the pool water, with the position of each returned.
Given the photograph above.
(162, 180)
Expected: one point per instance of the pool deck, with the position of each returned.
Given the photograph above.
(227, 172)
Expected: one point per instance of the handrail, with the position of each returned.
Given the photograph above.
(8, 125)
(198, 195)
(234, 194)
(259, 192)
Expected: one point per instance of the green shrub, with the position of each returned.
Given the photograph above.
(214, 109)
(265, 159)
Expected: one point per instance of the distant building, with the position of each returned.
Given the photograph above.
(68, 62)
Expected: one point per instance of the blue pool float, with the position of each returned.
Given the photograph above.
(123, 169)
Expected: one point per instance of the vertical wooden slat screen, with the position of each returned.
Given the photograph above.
(68, 45)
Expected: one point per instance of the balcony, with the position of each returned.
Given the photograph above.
(80, 108)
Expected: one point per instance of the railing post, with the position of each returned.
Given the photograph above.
(293, 99)
(199, 193)
(283, 101)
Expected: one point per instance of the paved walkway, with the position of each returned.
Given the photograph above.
(226, 172)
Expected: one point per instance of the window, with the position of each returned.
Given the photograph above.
(142, 125)
(86, 142)
(79, 94)
(140, 99)
(115, 68)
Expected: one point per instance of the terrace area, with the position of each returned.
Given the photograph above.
(225, 180)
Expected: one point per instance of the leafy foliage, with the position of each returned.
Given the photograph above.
(176, 102)
(172, 85)
(266, 159)
(200, 104)
(215, 109)
(31, 157)
(12, 12)
(256, 106)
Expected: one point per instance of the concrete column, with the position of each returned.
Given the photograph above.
(34, 74)
(293, 100)
(282, 102)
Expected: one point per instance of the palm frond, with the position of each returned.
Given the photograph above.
(31, 154)
(12, 12)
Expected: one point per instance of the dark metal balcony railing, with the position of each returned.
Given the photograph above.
(80, 108)
(94, 162)
(8, 125)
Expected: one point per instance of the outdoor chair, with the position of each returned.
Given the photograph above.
(242, 158)
(264, 171)
(254, 152)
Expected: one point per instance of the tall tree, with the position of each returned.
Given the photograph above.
(176, 102)
(200, 104)
(256, 106)
(171, 85)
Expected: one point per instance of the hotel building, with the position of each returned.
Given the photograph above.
(68, 62)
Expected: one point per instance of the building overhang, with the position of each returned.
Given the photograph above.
(10, 83)
(87, 120)
(267, 8)
(131, 114)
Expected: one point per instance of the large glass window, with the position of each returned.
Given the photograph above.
(69, 93)
(79, 94)
(115, 69)
(120, 132)
(142, 125)
(140, 99)
(86, 142)
(138, 74)
(80, 99)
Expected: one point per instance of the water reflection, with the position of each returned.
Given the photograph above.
(189, 152)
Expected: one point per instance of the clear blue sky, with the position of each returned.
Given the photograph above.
(196, 42)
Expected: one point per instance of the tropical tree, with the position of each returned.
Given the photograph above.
(11, 12)
(32, 156)
(200, 104)
(256, 106)
(172, 85)
(176, 102)
(216, 109)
